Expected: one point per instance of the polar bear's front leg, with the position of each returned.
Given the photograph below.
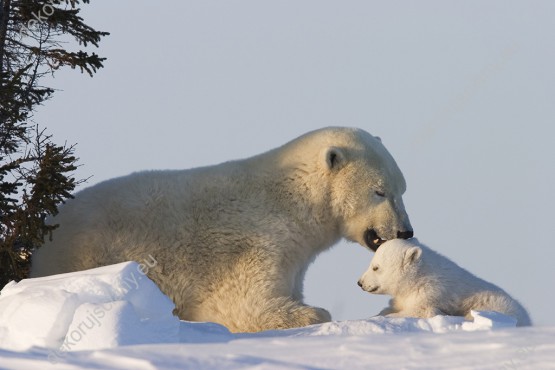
(387, 311)
(392, 308)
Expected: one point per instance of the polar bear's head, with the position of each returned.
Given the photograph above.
(393, 268)
(361, 182)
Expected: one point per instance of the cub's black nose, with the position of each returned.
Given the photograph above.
(405, 234)
(359, 283)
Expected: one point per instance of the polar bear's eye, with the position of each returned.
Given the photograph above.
(375, 268)
(380, 193)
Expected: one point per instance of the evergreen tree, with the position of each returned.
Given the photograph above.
(35, 173)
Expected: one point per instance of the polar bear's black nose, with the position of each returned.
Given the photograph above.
(405, 234)
(359, 283)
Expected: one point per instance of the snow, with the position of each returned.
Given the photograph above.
(116, 317)
(100, 308)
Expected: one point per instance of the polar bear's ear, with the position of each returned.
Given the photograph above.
(412, 255)
(335, 158)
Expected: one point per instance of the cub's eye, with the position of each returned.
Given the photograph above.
(380, 193)
(375, 268)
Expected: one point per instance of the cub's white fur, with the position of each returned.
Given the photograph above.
(233, 241)
(424, 283)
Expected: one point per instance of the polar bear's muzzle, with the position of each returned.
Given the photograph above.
(373, 240)
(369, 289)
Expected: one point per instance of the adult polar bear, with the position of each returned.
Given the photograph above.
(233, 241)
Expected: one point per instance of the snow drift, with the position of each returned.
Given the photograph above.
(99, 308)
(54, 318)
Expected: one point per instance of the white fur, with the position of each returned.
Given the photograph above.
(233, 241)
(424, 283)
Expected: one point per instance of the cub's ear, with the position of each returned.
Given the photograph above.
(412, 255)
(335, 158)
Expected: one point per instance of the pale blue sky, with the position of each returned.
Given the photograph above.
(462, 94)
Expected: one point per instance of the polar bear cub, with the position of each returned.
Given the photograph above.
(424, 283)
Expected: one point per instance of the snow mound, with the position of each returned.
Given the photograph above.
(119, 305)
(100, 308)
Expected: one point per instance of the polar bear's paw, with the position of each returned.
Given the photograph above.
(304, 315)
(287, 314)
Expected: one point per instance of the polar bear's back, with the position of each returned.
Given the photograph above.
(143, 210)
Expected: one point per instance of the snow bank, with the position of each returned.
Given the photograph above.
(119, 305)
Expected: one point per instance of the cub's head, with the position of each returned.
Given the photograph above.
(365, 188)
(393, 267)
